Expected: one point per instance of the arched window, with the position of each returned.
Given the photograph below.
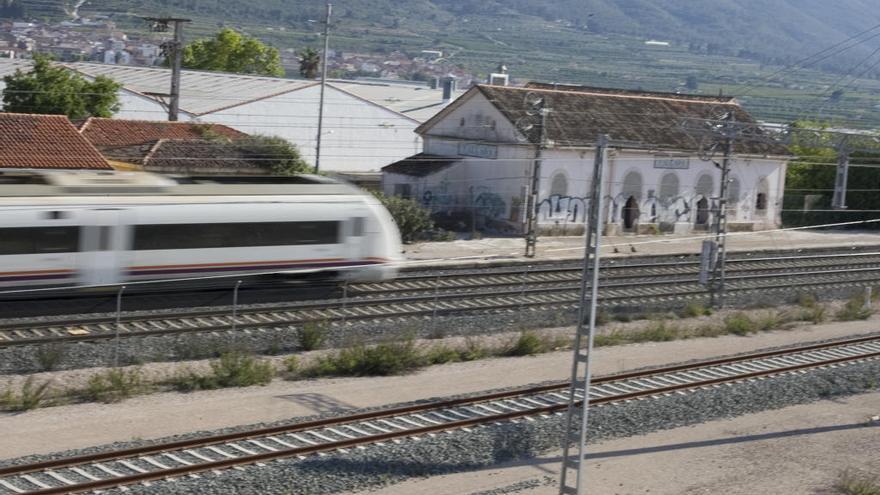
(705, 185)
(733, 192)
(761, 202)
(559, 185)
(761, 198)
(668, 187)
(632, 185)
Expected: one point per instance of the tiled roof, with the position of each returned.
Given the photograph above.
(201, 157)
(420, 165)
(631, 92)
(120, 132)
(45, 141)
(579, 115)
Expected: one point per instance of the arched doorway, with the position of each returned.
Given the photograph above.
(702, 220)
(630, 213)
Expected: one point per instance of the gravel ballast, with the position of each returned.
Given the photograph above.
(461, 451)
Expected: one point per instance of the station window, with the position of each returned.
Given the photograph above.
(231, 235)
(39, 240)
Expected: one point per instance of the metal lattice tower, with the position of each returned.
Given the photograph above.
(575, 434)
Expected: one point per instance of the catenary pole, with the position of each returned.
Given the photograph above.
(323, 87)
(581, 372)
(718, 278)
(532, 211)
(174, 104)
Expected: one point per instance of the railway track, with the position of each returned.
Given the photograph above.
(427, 297)
(190, 457)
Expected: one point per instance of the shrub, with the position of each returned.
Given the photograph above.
(709, 331)
(390, 358)
(30, 396)
(614, 338)
(695, 309)
(658, 332)
(739, 324)
(291, 364)
(855, 309)
(528, 344)
(442, 354)
(232, 369)
(412, 219)
(858, 484)
(769, 321)
(313, 335)
(806, 300)
(114, 385)
(49, 356)
(473, 350)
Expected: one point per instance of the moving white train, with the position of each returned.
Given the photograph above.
(65, 228)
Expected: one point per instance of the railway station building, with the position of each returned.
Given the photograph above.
(478, 156)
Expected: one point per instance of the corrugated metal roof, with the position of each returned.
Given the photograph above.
(201, 92)
(418, 102)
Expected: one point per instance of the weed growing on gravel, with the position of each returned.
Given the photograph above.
(739, 324)
(49, 356)
(694, 310)
(232, 369)
(313, 335)
(442, 354)
(291, 364)
(473, 350)
(709, 331)
(857, 484)
(528, 344)
(770, 320)
(114, 385)
(855, 309)
(31, 396)
(389, 358)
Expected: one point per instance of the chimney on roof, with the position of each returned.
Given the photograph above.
(449, 87)
(435, 82)
(500, 76)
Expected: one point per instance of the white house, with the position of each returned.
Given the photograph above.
(478, 154)
(366, 124)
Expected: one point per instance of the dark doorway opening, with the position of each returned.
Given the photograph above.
(702, 213)
(630, 213)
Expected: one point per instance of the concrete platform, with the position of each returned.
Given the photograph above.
(494, 250)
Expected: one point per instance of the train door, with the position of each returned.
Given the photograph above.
(356, 237)
(104, 244)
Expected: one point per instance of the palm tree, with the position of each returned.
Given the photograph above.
(309, 62)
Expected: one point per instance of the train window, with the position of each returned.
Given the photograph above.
(223, 235)
(357, 226)
(39, 240)
(104, 238)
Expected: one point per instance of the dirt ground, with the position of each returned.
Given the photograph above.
(82, 425)
(796, 450)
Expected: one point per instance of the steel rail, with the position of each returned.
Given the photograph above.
(496, 301)
(424, 408)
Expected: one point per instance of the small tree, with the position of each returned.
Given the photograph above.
(278, 154)
(411, 218)
(230, 51)
(47, 89)
(309, 62)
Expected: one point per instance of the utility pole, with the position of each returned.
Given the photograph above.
(716, 286)
(532, 208)
(839, 201)
(323, 86)
(581, 372)
(174, 50)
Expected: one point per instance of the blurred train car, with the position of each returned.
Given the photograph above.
(79, 228)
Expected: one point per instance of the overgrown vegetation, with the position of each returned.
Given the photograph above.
(232, 369)
(851, 483)
(412, 219)
(740, 324)
(49, 356)
(856, 308)
(30, 395)
(114, 385)
(528, 344)
(388, 358)
(694, 310)
(312, 335)
(231, 51)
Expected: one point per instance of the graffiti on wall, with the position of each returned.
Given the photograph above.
(569, 209)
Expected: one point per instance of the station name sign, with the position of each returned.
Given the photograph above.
(672, 162)
(478, 150)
